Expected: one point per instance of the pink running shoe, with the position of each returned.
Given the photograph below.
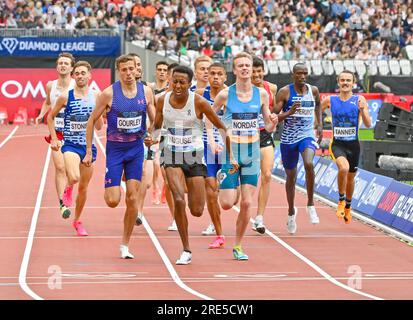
(67, 196)
(217, 243)
(79, 229)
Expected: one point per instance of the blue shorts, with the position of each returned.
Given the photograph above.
(291, 152)
(79, 149)
(123, 157)
(248, 157)
(213, 161)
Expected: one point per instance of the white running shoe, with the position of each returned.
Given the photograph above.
(173, 226)
(185, 258)
(313, 215)
(209, 231)
(291, 224)
(124, 252)
(258, 224)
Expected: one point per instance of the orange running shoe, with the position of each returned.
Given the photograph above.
(347, 215)
(340, 209)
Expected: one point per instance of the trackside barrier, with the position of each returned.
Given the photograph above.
(377, 197)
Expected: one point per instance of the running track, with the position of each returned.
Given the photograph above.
(39, 249)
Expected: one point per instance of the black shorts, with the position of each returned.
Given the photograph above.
(191, 163)
(266, 139)
(347, 149)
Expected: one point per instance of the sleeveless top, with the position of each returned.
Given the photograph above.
(55, 92)
(345, 117)
(242, 117)
(261, 122)
(183, 129)
(127, 116)
(77, 113)
(301, 124)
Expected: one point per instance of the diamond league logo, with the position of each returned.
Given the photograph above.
(10, 44)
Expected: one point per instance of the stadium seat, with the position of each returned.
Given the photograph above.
(139, 43)
(272, 66)
(292, 63)
(409, 51)
(317, 67)
(236, 49)
(383, 67)
(327, 67)
(338, 66)
(394, 67)
(308, 64)
(266, 70)
(283, 66)
(360, 67)
(349, 65)
(373, 69)
(406, 67)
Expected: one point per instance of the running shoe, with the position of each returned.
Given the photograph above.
(124, 252)
(217, 243)
(79, 229)
(68, 196)
(347, 215)
(64, 211)
(258, 224)
(313, 215)
(185, 258)
(139, 219)
(239, 254)
(209, 231)
(291, 223)
(340, 209)
(173, 226)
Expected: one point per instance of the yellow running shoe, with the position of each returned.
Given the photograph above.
(347, 215)
(340, 209)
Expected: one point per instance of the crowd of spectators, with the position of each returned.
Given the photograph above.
(284, 29)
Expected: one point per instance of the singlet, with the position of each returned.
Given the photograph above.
(127, 116)
(77, 113)
(261, 122)
(217, 135)
(55, 92)
(300, 125)
(242, 117)
(345, 117)
(182, 126)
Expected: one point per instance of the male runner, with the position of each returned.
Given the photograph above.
(161, 77)
(181, 112)
(127, 103)
(242, 104)
(217, 77)
(55, 88)
(346, 111)
(300, 103)
(266, 144)
(79, 104)
(201, 66)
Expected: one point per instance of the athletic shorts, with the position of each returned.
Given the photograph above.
(191, 163)
(59, 136)
(161, 153)
(213, 161)
(123, 157)
(291, 152)
(80, 150)
(248, 157)
(347, 149)
(266, 139)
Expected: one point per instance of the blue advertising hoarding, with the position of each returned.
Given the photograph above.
(78, 46)
(403, 219)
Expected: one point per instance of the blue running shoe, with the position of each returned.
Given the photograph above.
(239, 254)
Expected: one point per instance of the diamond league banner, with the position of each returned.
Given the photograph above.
(301, 170)
(78, 46)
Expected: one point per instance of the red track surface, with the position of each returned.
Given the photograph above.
(91, 268)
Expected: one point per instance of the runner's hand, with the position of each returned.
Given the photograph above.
(38, 119)
(319, 134)
(235, 166)
(215, 147)
(294, 107)
(274, 120)
(55, 144)
(87, 160)
(148, 141)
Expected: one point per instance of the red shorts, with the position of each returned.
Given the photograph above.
(59, 136)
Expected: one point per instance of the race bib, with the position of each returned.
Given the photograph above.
(244, 124)
(345, 132)
(78, 123)
(129, 122)
(59, 120)
(180, 140)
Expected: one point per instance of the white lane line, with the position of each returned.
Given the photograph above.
(9, 136)
(30, 238)
(159, 248)
(313, 265)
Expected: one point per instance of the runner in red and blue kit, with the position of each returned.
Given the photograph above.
(127, 104)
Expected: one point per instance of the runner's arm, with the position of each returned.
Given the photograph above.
(156, 130)
(47, 103)
(318, 113)
(280, 100)
(60, 104)
(364, 112)
(325, 104)
(99, 122)
(150, 101)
